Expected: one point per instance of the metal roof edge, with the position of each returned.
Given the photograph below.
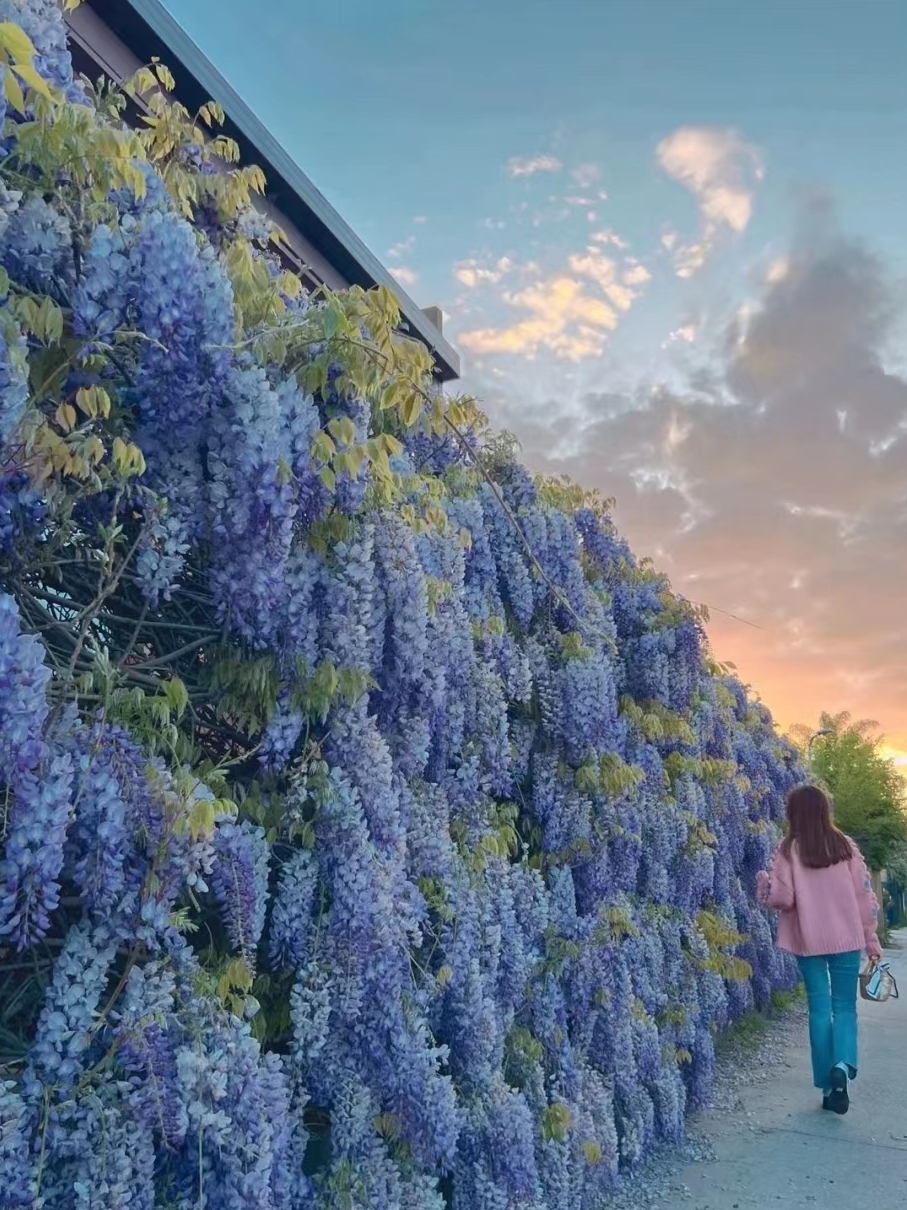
(341, 245)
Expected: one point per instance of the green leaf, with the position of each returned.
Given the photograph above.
(49, 321)
(556, 1122)
(177, 695)
(331, 322)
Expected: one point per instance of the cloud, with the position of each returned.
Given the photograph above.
(586, 175)
(566, 317)
(717, 167)
(601, 269)
(721, 171)
(472, 274)
(563, 318)
(402, 248)
(609, 237)
(686, 333)
(636, 275)
(420, 219)
(517, 167)
(689, 259)
(773, 487)
(778, 270)
(405, 276)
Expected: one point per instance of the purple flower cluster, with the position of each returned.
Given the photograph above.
(22, 511)
(36, 777)
(496, 890)
(13, 379)
(240, 881)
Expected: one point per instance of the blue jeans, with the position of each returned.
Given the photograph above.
(831, 993)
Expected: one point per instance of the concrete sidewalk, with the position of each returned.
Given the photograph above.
(780, 1148)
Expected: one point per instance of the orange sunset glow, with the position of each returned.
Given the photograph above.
(769, 484)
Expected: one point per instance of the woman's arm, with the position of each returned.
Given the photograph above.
(775, 888)
(868, 904)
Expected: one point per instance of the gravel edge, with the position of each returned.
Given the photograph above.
(746, 1057)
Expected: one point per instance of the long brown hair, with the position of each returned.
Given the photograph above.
(809, 826)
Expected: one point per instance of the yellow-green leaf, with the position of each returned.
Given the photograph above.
(16, 42)
(177, 695)
(455, 414)
(33, 79)
(411, 408)
(14, 93)
(120, 454)
(86, 400)
(49, 321)
(201, 818)
(323, 447)
(66, 417)
(343, 430)
(355, 458)
(136, 459)
(165, 77)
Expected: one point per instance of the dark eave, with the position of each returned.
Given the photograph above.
(147, 30)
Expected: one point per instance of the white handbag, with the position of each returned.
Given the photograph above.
(878, 983)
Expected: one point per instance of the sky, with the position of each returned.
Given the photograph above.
(668, 241)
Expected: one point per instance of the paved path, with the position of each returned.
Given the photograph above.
(778, 1148)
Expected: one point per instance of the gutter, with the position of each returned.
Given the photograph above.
(145, 29)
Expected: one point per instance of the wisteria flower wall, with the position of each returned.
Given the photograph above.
(375, 830)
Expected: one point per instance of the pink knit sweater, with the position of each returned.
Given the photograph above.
(830, 911)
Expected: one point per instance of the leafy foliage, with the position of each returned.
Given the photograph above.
(375, 828)
(865, 787)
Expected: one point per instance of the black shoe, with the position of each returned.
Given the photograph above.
(837, 1101)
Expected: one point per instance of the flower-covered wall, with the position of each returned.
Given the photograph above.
(375, 830)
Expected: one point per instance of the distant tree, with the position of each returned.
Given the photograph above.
(868, 792)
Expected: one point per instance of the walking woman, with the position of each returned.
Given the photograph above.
(819, 883)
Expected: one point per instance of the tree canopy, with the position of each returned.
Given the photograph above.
(866, 789)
